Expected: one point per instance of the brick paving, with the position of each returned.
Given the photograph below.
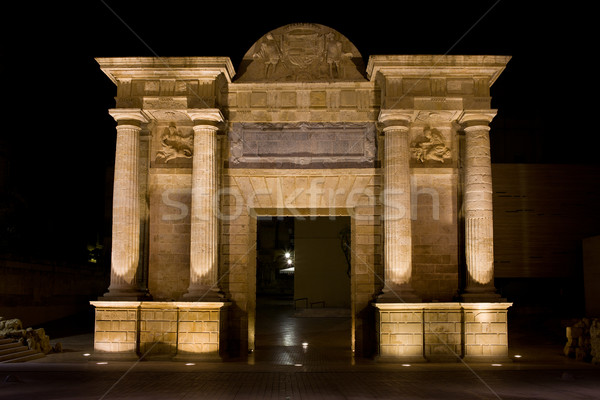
(169, 381)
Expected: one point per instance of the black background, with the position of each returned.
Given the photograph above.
(60, 140)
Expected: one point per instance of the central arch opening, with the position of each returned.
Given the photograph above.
(303, 289)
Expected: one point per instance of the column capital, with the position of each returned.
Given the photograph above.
(476, 118)
(396, 119)
(128, 116)
(205, 116)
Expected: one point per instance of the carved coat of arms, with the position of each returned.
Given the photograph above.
(302, 48)
(302, 52)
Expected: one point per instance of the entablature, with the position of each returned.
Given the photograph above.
(408, 81)
(181, 82)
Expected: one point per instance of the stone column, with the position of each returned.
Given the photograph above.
(204, 224)
(126, 207)
(477, 206)
(396, 209)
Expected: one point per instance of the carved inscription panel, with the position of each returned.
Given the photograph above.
(309, 145)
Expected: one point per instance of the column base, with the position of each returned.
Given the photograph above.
(481, 296)
(399, 294)
(204, 294)
(125, 295)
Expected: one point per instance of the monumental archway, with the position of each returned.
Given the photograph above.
(303, 129)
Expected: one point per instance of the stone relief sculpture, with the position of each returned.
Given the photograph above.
(370, 146)
(174, 144)
(301, 52)
(236, 147)
(335, 56)
(430, 146)
(269, 53)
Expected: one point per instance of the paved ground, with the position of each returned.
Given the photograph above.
(282, 368)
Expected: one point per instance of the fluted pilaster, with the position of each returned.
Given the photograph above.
(204, 223)
(478, 208)
(396, 209)
(126, 207)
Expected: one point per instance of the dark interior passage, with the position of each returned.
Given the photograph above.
(303, 291)
(283, 337)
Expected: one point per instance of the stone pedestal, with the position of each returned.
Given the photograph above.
(485, 331)
(442, 326)
(116, 329)
(202, 328)
(180, 330)
(442, 332)
(399, 329)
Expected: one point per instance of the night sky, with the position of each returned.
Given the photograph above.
(60, 140)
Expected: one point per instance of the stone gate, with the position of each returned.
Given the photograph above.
(303, 129)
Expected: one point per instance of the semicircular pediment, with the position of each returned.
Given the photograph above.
(302, 53)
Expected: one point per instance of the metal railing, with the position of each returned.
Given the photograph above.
(305, 300)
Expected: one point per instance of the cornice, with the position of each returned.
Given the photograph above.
(181, 68)
(424, 66)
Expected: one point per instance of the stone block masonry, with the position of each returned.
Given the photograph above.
(442, 332)
(485, 331)
(400, 332)
(303, 129)
(116, 329)
(134, 329)
(169, 234)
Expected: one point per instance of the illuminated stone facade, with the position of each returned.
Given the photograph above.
(304, 128)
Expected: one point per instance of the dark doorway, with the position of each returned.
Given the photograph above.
(275, 261)
(303, 290)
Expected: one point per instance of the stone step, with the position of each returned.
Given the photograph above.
(17, 352)
(11, 350)
(5, 341)
(10, 345)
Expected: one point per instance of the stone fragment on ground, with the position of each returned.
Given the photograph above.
(34, 339)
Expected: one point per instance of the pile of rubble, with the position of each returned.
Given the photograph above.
(34, 339)
(583, 340)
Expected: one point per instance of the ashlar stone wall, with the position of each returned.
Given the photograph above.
(304, 129)
(435, 233)
(301, 194)
(169, 235)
